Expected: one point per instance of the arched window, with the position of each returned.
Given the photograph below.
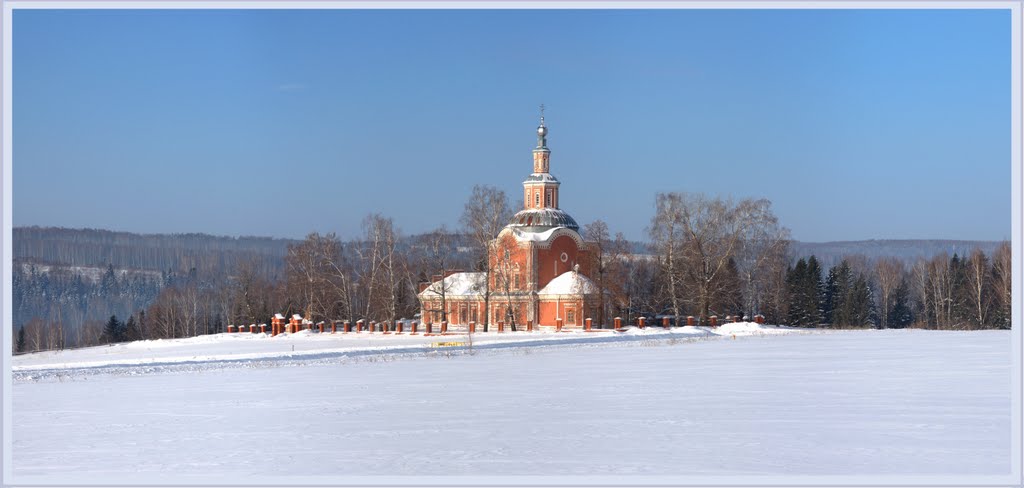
(536, 199)
(547, 199)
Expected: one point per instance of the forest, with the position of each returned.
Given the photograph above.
(704, 256)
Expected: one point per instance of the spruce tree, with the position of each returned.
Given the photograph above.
(900, 315)
(795, 281)
(114, 330)
(131, 331)
(814, 291)
(959, 292)
(837, 289)
(21, 339)
(860, 305)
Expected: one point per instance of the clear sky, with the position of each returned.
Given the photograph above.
(856, 124)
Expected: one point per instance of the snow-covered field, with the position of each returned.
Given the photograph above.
(739, 400)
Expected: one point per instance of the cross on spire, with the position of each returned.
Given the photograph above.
(542, 114)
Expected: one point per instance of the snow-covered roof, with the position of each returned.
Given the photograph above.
(541, 178)
(524, 235)
(278, 316)
(541, 219)
(297, 317)
(458, 284)
(569, 283)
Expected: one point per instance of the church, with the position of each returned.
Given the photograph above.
(539, 266)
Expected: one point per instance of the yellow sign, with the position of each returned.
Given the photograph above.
(447, 344)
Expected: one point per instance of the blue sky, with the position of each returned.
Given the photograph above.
(856, 124)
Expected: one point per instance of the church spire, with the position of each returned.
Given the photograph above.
(542, 131)
(540, 190)
(541, 154)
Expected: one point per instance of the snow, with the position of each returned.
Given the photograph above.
(458, 284)
(246, 346)
(569, 283)
(685, 402)
(541, 178)
(523, 236)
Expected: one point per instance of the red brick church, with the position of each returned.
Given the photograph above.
(538, 264)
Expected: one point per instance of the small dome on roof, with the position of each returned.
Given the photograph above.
(569, 283)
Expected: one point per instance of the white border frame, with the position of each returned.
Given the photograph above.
(1015, 478)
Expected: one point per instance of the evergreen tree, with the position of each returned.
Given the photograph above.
(114, 330)
(108, 283)
(959, 311)
(814, 291)
(131, 331)
(900, 315)
(859, 305)
(21, 339)
(796, 278)
(837, 287)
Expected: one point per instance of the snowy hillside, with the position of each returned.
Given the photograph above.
(739, 400)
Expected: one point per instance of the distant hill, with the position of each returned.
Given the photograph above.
(180, 252)
(126, 250)
(906, 250)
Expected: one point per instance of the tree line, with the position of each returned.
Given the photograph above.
(709, 256)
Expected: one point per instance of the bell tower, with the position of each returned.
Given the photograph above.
(540, 190)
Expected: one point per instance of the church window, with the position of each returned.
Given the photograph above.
(547, 199)
(536, 199)
(516, 279)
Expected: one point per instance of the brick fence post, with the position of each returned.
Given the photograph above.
(588, 323)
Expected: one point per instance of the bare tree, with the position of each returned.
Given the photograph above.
(437, 258)
(940, 286)
(383, 271)
(616, 272)
(486, 212)
(1002, 281)
(507, 277)
(922, 290)
(977, 281)
(667, 235)
(303, 274)
(597, 233)
(888, 274)
(699, 239)
(763, 252)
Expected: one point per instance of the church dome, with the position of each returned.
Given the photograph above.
(541, 219)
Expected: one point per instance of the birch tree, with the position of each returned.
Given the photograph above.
(486, 212)
(888, 274)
